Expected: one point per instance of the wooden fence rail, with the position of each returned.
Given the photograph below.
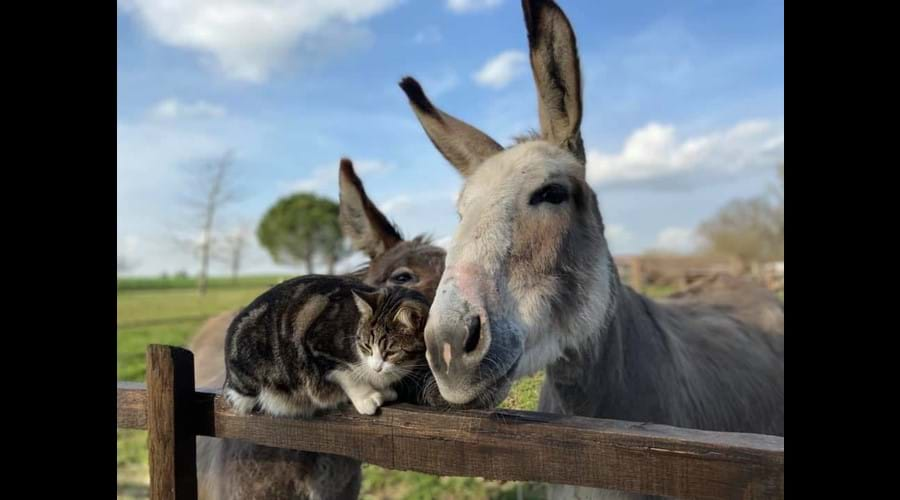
(495, 444)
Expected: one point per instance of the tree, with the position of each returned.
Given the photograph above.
(331, 245)
(752, 229)
(232, 245)
(778, 194)
(778, 190)
(124, 265)
(212, 189)
(301, 226)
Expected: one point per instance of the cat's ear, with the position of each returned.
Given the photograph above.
(411, 317)
(366, 302)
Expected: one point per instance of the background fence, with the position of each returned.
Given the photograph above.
(679, 271)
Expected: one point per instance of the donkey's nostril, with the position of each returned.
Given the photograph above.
(473, 333)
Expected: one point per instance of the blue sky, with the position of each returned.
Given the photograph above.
(684, 108)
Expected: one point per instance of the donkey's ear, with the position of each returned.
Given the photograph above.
(464, 146)
(361, 221)
(554, 61)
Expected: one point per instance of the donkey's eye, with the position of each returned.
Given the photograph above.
(402, 277)
(551, 193)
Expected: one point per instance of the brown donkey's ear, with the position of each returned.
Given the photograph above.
(557, 74)
(464, 146)
(361, 221)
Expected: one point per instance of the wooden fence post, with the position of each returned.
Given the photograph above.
(637, 278)
(172, 439)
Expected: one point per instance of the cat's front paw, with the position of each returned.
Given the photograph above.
(368, 403)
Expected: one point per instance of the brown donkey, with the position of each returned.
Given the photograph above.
(235, 470)
(530, 284)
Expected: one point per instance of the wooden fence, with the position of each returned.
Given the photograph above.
(682, 270)
(495, 444)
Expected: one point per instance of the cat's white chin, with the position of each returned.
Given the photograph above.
(384, 380)
(380, 380)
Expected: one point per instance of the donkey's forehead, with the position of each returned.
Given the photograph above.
(408, 253)
(521, 166)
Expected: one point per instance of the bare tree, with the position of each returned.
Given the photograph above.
(212, 189)
(232, 246)
(750, 229)
(778, 194)
(778, 189)
(123, 264)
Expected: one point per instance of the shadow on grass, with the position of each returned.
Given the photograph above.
(132, 481)
(132, 490)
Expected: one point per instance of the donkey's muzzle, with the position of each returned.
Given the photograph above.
(457, 338)
(457, 347)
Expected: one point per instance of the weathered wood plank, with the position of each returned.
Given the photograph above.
(170, 422)
(131, 405)
(515, 445)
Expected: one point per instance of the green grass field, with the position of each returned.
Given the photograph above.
(184, 282)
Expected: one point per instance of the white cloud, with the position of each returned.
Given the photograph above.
(349, 263)
(419, 201)
(428, 35)
(618, 237)
(127, 249)
(131, 245)
(417, 212)
(170, 109)
(654, 155)
(151, 154)
(460, 6)
(148, 158)
(247, 39)
(396, 204)
(502, 69)
(443, 242)
(325, 177)
(677, 239)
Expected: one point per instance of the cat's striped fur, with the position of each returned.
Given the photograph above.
(312, 343)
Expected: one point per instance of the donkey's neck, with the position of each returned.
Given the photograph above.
(606, 375)
(687, 365)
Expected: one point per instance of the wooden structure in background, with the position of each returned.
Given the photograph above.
(679, 271)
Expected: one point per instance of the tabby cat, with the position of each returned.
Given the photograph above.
(313, 342)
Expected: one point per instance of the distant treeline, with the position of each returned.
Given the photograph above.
(176, 282)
